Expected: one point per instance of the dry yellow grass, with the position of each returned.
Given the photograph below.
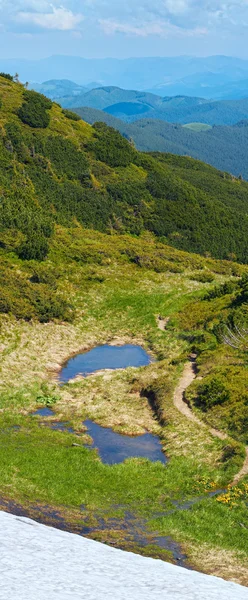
(229, 565)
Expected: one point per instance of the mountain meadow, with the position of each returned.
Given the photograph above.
(103, 244)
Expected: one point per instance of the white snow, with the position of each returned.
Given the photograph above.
(41, 563)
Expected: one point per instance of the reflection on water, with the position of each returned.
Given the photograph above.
(43, 412)
(115, 448)
(104, 357)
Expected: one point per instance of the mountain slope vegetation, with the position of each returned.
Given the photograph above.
(85, 262)
(55, 168)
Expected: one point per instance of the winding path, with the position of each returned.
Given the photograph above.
(188, 376)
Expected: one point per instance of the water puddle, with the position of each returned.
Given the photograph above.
(104, 357)
(55, 425)
(114, 447)
(43, 412)
(58, 426)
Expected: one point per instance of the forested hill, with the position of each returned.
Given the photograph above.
(55, 168)
(132, 105)
(224, 147)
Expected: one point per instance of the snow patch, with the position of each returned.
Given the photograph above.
(41, 563)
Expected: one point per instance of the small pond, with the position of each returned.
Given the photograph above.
(114, 447)
(104, 357)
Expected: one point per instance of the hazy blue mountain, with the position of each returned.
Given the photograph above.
(162, 75)
(104, 97)
(58, 88)
(216, 86)
(185, 110)
(223, 147)
(131, 105)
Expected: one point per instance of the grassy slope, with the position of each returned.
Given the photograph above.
(117, 300)
(115, 287)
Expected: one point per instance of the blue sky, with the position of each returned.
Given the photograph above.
(122, 28)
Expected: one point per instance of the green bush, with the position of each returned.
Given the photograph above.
(26, 300)
(33, 111)
(71, 115)
(213, 391)
(42, 273)
(204, 277)
(34, 248)
(231, 450)
(222, 290)
(7, 76)
(110, 147)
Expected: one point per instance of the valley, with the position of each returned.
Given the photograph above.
(101, 245)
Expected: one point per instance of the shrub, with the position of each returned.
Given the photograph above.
(204, 277)
(110, 147)
(26, 300)
(15, 141)
(45, 274)
(71, 115)
(7, 76)
(210, 393)
(242, 297)
(231, 450)
(34, 248)
(221, 290)
(33, 111)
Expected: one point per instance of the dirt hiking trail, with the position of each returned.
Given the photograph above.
(188, 376)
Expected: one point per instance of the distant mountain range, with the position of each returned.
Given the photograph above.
(131, 105)
(219, 77)
(213, 131)
(60, 88)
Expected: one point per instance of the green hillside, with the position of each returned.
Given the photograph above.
(56, 168)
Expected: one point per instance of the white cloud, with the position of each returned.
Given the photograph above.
(59, 18)
(159, 28)
(141, 18)
(176, 7)
(111, 27)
